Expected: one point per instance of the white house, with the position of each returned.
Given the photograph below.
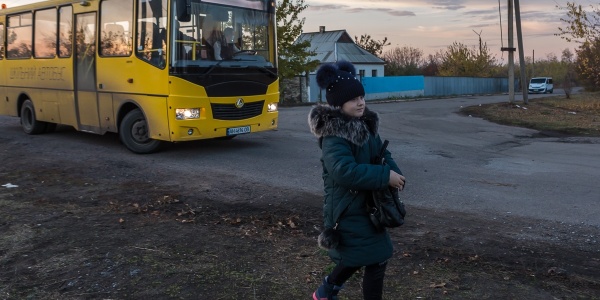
(332, 46)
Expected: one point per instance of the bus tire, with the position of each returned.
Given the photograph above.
(28, 121)
(133, 133)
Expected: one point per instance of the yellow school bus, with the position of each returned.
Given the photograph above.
(153, 71)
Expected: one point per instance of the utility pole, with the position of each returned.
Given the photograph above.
(514, 8)
(511, 54)
(524, 88)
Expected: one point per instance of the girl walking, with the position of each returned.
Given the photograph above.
(347, 133)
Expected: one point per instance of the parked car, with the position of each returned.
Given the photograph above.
(541, 85)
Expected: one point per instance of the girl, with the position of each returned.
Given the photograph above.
(348, 137)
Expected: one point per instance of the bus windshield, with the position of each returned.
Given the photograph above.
(239, 34)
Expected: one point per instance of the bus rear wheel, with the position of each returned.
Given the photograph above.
(133, 133)
(28, 121)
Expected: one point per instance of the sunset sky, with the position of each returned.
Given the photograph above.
(433, 25)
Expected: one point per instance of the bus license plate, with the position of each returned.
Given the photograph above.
(238, 130)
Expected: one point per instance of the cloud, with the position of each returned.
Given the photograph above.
(447, 4)
(403, 13)
(348, 9)
(396, 13)
(482, 12)
(325, 7)
(547, 34)
(485, 25)
(550, 16)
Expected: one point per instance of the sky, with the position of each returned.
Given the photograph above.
(433, 25)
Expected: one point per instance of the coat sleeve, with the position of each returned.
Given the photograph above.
(346, 172)
(388, 158)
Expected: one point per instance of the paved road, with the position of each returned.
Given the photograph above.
(452, 162)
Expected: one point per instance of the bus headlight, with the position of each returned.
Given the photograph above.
(187, 113)
(272, 107)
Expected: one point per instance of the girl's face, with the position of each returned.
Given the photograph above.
(355, 107)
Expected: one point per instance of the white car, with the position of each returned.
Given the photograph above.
(541, 85)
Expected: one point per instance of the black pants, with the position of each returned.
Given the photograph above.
(372, 279)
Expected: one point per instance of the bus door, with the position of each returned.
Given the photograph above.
(86, 95)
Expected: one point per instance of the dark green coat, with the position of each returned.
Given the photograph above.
(348, 147)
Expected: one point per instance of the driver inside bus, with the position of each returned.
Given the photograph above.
(219, 43)
(228, 48)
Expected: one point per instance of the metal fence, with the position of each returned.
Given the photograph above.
(298, 90)
(449, 86)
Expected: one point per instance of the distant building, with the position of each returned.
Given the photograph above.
(332, 46)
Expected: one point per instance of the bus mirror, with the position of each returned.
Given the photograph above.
(183, 10)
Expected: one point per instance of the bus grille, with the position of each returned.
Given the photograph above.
(230, 112)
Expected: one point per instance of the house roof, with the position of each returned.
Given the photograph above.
(331, 46)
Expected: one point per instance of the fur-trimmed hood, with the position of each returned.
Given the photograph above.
(328, 121)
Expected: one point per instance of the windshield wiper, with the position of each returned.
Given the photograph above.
(260, 68)
(264, 69)
(212, 68)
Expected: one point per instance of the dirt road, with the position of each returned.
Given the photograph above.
(80, 218)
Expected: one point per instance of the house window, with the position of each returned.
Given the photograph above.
(362, 73)
(373, 73)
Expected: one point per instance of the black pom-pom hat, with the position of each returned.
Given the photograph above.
(340, 82)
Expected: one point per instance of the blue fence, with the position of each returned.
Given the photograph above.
(448, 86)
(394, 87)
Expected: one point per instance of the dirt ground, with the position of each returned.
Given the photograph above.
(116, 230)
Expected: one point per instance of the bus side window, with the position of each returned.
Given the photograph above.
(65, 31)
(151, 33)
(115, 26)
(19, 36)
(1, 41)
(151, 42)
(44, 36)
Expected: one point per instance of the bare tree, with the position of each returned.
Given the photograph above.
(460, 60)
(431, 65)
(403, 61)
(373, 46)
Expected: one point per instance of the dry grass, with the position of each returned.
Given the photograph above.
(578, 116)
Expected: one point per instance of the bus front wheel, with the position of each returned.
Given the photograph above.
(133, 133)
(28, 121)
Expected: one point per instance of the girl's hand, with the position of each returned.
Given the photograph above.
(396, 180)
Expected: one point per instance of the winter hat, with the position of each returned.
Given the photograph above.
(340, 82)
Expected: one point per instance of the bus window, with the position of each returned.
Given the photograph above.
(19, 36)
(230, 35)
(1, 41)
(65, 31)
(44, 36)
(151, 32)
(85, 68)
(115, 25)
